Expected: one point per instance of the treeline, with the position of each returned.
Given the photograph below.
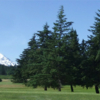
(56, 58)
(7, 70)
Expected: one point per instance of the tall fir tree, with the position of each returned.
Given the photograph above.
(42, 77)
(71, 58)
(20, 74)
(61, 28)
(94, 53)
(24, 68)
(83, 76)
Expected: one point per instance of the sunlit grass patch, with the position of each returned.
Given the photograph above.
(18, 91)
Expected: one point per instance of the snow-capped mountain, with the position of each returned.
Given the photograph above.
(5, 61)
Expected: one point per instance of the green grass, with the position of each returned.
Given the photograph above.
(17, 91)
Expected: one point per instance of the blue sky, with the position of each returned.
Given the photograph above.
(20, 19)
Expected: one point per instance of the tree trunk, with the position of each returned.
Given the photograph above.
(59, 82)
(72, 90)
(96, 89)
(59, 88)
(45, 88)
(86, 87)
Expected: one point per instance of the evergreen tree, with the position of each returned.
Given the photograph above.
(42, 75)
(17, 76)
(94, 53)
(21, 74)
(7, 70)
(3, 71)
(33, 55)
(71, 58)
(26, 68)
(83, 76)
(61, 28)
(10, 70)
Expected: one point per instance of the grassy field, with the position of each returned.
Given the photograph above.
(15, 91)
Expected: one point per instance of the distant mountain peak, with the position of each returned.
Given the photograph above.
(5, 61)
(1, 55)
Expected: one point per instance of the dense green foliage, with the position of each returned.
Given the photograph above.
(7, 70)
(55, 58)
(94, 53)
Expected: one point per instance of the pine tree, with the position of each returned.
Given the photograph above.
(42, 76)
(20, 74)
(33, 56)
(83, 76)
(71, 58)
(61, 28)
(94, 53)
(3, 71)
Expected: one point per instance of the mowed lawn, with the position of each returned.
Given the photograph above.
(17, 91)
